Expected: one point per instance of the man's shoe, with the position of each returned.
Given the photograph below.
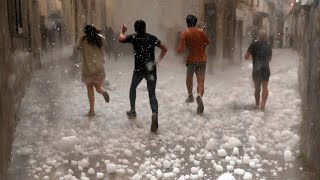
(154, 124)
(106, 97)
(200, 108)
(190, 99)
(132, 114)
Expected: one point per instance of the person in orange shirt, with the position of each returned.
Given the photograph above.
(196, 41)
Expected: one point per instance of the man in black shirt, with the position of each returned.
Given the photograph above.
(145, 66)
(261, 53)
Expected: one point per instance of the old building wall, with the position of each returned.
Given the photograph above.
(20, 55)
(308, 31)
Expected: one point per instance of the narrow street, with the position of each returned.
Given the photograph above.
(55, 140)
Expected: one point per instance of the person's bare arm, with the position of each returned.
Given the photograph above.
(164, 51)
(122, 36)
(247, 56)
(181, 45)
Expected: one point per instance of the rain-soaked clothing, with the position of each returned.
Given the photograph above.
(144, 46)
(261, 52)
(196, 41)
(145, 68)
(93, 61)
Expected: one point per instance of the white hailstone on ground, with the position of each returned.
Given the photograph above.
(111, 168)
(176, 170)
(83, 163)
(159, 174)
(227, 159)
(222, 153)
(58, 173)
(234, 142)
(260, 170)
(197, 163)
(158, 164)
(200, 173)
(246, 159)
(100, 175)
(280, 169)
(142, 167)
(192, 149)
(226, 176)
(162, 150)
(166, 164)
(74, 163)
(44, 133)
(47, 171)
(130, 171)
(252, 140)
(230, 168)
(235, 151)
(84, 178)
(125, 161)
(137, 177)
(91, 171)
(178, 148)
(135, 164)
(127, 152)
(232, 163)
(247, 176)
(147, 153)
(301, 168)
(46, 178)
(66, 144)
(239, 172)
(288, 155)
(194, 170)
(252, 164)
(193, 176)
(218, 168)
(97, 164)
(70, 172)
(211, 145)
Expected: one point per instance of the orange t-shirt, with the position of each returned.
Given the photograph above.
(197, 41)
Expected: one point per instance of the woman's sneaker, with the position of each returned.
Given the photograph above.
(190, 99)
(106, 97)
(200, 108)
(132, 114)
(154, 124)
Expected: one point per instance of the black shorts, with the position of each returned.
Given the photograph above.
(198, 68)
(261, 73)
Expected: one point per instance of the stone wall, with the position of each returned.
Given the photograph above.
(20, 55)
(307, 42)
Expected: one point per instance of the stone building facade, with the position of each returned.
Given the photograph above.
(307, 43)
(20, 56)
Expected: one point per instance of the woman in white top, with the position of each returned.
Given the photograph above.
(91, 47)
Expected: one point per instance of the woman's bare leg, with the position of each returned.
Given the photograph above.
(100, 90)
(265, 93)
(257, 86)
(91, 99)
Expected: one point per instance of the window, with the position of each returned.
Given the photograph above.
(18, 14)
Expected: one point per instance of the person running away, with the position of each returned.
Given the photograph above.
(261, 53)
(92, 52)
(197, 41)
(145, 66)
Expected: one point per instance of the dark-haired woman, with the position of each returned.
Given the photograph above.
(92, 47)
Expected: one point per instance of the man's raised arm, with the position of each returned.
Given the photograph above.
(122, 36)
